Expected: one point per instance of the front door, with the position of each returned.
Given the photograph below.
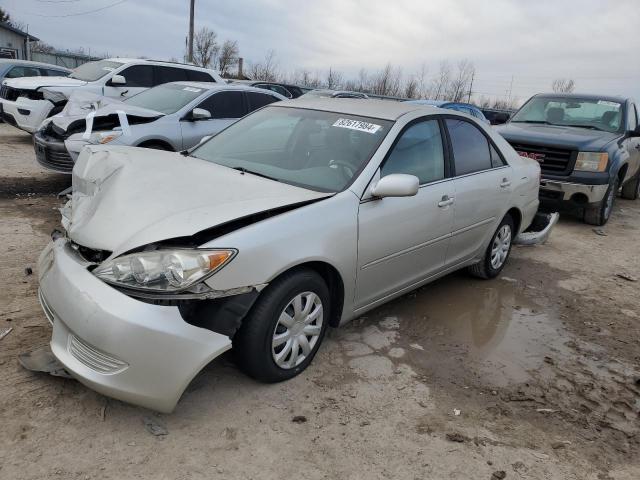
(138, 78)
(402, 241)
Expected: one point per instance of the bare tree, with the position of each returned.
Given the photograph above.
(334, 79)
(267, 70)
(563, 85)
(440, 84)
(387, 81)
(228, 56)
(305, 78)
(205, 47)
(458, 87)
(411, 87)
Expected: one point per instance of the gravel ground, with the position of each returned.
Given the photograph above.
(535, 375)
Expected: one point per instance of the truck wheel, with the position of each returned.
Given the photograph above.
(631, 190)
(285, 327)
(600, 213)
(497, 253)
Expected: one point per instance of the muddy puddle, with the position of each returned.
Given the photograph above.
(492, 332)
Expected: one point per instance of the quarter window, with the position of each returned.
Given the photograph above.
(418, 152)
(225, 105)
(470, 147)
(53, 73)
(139, 76)
(198, 76)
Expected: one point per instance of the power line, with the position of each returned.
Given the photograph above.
(80, 13)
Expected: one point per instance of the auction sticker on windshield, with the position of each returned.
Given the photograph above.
(357, 125)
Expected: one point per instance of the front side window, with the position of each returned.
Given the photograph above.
(225, 105)
(314, 149)
(18, 72)
(418, 152)
(593, 114)
(166, 98)
(92, 71)
(53, 73)
(138, 76)
(470, 147)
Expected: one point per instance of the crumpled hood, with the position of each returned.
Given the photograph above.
(126, 197)
(81, 104)
(33, 83)
(569, 137)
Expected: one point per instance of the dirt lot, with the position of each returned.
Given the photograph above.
(535, 374)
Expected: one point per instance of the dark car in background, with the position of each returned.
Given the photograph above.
(457, 106)
(326, 93)
(10, 68)
(588, 147)
(285, 89)
(497, 116)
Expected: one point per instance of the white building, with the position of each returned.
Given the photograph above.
(13, 42)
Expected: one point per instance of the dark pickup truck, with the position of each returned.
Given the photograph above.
(588, 147)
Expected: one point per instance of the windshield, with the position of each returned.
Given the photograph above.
(167, 98)
(313, 149)
(92, 71)
(575, 112)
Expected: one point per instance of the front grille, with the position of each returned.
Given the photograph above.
(9, 93)
(53, 159)
(93, 358)
(553, 160)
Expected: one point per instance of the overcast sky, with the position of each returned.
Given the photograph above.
(594, 42)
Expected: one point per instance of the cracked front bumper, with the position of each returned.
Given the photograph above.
(26, 114)
(121, 347)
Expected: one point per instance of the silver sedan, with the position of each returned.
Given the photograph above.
(299, 217)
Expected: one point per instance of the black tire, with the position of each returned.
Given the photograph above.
(252, 344)
(599, 214)
(484, 268)
(631, 190)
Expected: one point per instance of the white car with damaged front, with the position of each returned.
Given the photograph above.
(26, 102)
(302, 215)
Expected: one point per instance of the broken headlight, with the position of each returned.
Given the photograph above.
(164, 270)
(98, 138)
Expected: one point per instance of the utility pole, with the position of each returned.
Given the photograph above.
(190, 48)
(473, 74)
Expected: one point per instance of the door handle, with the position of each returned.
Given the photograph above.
(505, 183)
(122, 94)
(446, 201)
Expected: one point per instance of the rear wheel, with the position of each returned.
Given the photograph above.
(631, 190)
(600, 213)
(497, 253)
(285, 328)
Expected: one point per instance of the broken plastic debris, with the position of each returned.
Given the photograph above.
(5, 332)
(155, 426)
(43, 360)
(456, 412)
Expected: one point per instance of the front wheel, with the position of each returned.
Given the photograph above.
(497, 253)
(600, 213)
(283, 331)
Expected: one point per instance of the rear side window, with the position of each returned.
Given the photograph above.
(198, 76)
(496, 158)
(169, 74)
(257, 100)
(18, 72)
(225, 105)
(418, 152)
(138, 76)
(470, 147)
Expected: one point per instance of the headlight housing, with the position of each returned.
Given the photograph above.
(592, 161)
(98, 138)
(170, 270)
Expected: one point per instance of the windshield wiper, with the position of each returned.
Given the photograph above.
(592, 127)
(243, 170)
(543, 122)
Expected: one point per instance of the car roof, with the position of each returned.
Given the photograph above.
(222, 86)
(29, 63)
(382, 109)
(585, 96)
(158, 62)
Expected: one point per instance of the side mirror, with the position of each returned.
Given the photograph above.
(396, 185)
(118, 80)
(200, 114)
(634, 133)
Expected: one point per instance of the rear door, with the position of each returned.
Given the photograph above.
(482, 188)
(225, 108)
(402, 241)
